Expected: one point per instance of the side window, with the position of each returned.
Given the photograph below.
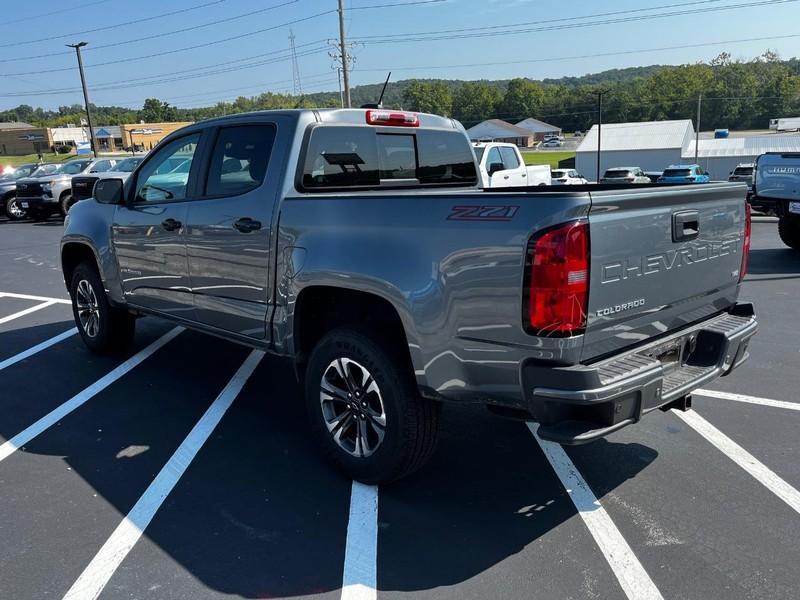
(166, 175)
(494, 157)
(239, 160)
(509, 157)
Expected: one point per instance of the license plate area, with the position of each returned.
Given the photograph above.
(673, 354)
(23, 204)
(794, 207)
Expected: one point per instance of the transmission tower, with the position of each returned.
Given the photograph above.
(298, 88)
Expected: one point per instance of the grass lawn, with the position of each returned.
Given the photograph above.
(546, 158)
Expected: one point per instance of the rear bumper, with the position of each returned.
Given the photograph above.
(581, 403)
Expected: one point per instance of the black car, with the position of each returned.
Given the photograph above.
(8, 190)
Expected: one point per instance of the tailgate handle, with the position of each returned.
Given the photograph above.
(685, 225)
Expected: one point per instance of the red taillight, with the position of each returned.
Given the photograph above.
(746, 245)
(558, 282)
(392, 117)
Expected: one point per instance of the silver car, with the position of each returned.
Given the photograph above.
(625, 175)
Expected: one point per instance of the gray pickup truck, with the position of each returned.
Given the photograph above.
(776, 187)
(358, 244)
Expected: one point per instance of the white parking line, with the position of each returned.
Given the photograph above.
(27, 311)
(29, 297)
(54, 416)
(749, 399)
(360, 577)
(763, 474)
(102, 567)
(37, 348)
(630, 573)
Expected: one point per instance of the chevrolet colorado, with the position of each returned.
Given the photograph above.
(359, 244)
(776, 187)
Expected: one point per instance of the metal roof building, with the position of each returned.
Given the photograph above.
(538, 128)
(720, 156)
(15, 125)
(651, 145)
(499, 131)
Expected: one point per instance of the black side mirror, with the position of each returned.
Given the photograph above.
(108, 191)
(494, 168)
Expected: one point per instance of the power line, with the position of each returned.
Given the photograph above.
(513, 30)
(580, 56)
(114, 26)
(69, 8)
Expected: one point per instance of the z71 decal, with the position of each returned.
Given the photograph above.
(482, 213)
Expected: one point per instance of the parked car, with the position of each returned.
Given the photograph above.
(83, 185)
(578, 134)
(777, 188)
(653, 175)
(393, 288)
(743, 172)
(552, 143)
(684, 174)
(624, 175)
(567, 177)
(721, 134)
(42, 196)
(502, 165)
(8, 190)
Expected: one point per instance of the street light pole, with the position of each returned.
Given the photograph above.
(599, 127)
(697, 133)
(78, 47)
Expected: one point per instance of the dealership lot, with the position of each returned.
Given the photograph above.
(226, 497)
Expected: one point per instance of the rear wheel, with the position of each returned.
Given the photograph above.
(789, 231)
(104, 328)
(365, 412)
(14, 210)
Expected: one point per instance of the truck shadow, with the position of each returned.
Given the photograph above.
(782, 262)
(258, 515)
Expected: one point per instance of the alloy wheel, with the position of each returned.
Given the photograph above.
(352, 407)
(88, 309)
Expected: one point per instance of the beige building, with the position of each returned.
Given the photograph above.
(22, 138)
(147, 135)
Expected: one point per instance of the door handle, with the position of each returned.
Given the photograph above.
(246, 225)
(524, 174)
(171, 224)
(685, 225)
(505, 176)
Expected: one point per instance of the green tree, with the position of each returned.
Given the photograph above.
(523, 99)
(475, 101)
(429, 97)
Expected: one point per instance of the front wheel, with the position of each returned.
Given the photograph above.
(65, 204)
(104, 328)
(14, 209)
(366, 415)
(789, 231)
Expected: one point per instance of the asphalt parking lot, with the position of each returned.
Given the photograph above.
(172, 472)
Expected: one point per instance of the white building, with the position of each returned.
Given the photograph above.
(651, 145)
(496, 130)
(720, 156)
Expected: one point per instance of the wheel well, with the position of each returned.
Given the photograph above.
(321, 309)
(71, 256)
(67, 192)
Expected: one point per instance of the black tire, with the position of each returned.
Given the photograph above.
(113, 328)
(14, 211)
(411, 422)
(789, 232)
(65, 203)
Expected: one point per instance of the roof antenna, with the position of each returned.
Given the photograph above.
(379, 104)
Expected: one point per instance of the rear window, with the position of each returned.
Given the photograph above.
(366, 157)
(677, 173)
(617, 174)
(743, 171)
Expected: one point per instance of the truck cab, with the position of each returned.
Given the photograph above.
(501, 165)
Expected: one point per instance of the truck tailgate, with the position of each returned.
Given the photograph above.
(661, 258)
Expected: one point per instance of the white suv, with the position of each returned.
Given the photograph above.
(567, 177)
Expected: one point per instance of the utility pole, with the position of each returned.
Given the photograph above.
(697, 133)
(343, 52)
(78, 47)
(600, 94)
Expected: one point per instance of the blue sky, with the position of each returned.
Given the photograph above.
(200, 76)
